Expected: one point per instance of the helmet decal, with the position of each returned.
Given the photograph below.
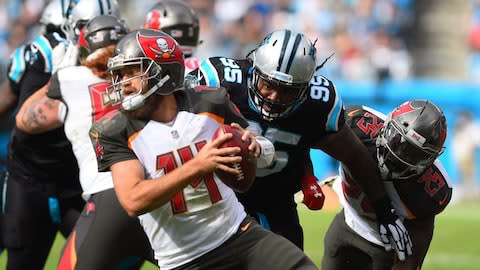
(153, 20)
(158, 48)
(404, 108)
(416, 137)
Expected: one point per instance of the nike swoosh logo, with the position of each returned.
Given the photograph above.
(245, 227)
(443, 200)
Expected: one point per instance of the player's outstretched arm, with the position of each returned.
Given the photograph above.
(347, 148)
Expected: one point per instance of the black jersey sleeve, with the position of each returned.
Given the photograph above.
(233, 114)
(109, 138)
(427, 195)
(16, 68)
(222, 71)
(215, 100)
(31, 64)
(364, 121)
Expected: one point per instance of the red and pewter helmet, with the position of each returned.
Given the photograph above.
(104, 30)
(177, 19)
(160, 61)
(412, 137)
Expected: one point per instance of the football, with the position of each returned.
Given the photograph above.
(248, 166)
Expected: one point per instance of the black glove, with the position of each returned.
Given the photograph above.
(392, 231)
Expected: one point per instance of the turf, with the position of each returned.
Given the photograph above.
(455, 245)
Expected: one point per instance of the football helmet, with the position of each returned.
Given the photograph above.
(84, 10)
(160, 61)
(104, 30)
(412, 137)
(177, 19)
(53, 17)
(284, 59)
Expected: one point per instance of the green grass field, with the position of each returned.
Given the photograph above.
(455, 245)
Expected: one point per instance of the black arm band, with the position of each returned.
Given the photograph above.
(383, 209)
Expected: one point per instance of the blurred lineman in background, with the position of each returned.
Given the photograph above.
(193, 220)
(406, 145)
(75, 99)
(278, 89)
(42, 187)
(42, 193)
(179, 20)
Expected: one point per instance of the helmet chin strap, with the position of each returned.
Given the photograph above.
(133, 102)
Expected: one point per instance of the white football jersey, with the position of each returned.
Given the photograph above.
(84, 96)
(207, 206)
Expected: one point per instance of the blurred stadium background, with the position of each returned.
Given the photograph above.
(385, 52)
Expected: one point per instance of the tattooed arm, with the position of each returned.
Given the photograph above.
(39, 113)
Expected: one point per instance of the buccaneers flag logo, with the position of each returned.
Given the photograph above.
(160, 48)
(404, 108)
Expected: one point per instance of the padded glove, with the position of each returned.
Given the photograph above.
(393, 233)
(313, 196)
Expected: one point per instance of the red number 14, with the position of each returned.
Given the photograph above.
(168, 163)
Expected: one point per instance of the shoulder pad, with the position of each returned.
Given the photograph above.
(17, 64)
(427, 195)
(41, 49)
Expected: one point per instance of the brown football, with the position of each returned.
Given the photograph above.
(248, 166)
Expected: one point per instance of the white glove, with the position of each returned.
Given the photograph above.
(392, 231)
(395, 235)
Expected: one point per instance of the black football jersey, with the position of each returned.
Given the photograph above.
(33, 61)
(47, 156)
(418, 197)
(321, 113)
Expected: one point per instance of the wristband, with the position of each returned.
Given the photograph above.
(383, 209)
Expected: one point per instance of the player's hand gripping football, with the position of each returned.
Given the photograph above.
(313, 196)
(254, 148)
(393, 233)
(212, 158)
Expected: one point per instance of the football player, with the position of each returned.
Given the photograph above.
(282, 94)
(405, 145)
(42, 189)
(162, 158)
(78, 93)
